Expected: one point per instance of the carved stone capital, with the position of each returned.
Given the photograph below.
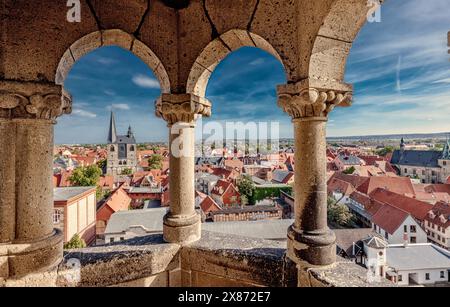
(32, 100)
(304, 100)
(175, 108)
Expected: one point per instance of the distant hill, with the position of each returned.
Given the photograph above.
(442, 135)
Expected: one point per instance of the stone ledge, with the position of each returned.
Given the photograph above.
(119, 263)
(237, 260)
(215, 260)
(342, 274)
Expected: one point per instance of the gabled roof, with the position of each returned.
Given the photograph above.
(370, 205)
(117, 201)
(440, 211)
(418, 209)
(209, 205)
(221, 187)
(389, 218)
(282, 176)
(349, 159)
(400, 185)
(69, 193)
(355, 181)
(345, 238)
(423, 158)
(339, 186)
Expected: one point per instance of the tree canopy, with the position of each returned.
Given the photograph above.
(155, 162)
(86, 176)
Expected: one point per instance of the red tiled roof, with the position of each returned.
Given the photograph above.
(439, 188)
(370, 160)
(119, 200)
(355, 181)
(209, 205)
(106, 181)
(399, 185)
(221, 187)
(222, 173)
(370, 205)
(418, 209)
(340, 186)
(389, 218)
(440, 210)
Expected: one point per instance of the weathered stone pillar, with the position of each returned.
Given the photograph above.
(182, 224)
(28, 242)
(309, 238)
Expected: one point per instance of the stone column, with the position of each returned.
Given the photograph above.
(28, 242)
(182, 224)
(309, 238)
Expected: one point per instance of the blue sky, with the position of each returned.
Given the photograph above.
(400, 69)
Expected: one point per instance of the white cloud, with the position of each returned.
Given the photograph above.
(145, 81)
(106, 61)
(84, 113)
(119, 106)
(256, 62)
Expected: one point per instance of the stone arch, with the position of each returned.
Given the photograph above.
(114, 37)
(335, 38)
(219, 49)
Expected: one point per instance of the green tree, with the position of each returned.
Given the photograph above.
(339, 214)
(75, 242)
(155, 148)
(127, 171)
(155, 162)
(385, 151)
(246, 186)
(350, 170)
(102, 164)
(86, 176)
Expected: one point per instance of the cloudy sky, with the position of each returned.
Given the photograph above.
(400, 69)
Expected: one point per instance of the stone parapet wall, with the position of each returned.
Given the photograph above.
(217, 260)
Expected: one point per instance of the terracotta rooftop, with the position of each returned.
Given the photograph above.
(418, 209)
(399, 185)
(389, 218)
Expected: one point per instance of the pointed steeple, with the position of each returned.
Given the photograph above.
(446, 151)
(112, 135)
(402, 144)
(130, 132)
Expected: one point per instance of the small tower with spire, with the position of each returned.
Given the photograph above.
(121, 151)
(402, 145)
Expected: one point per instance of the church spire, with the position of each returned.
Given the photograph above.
(402, 144)
(112, 136)
(130, 132)
(446, 151)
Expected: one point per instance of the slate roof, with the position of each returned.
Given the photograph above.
(346, 237)
(349, 159)
(65, 194)
(150, 219)
(125, 139)
(217, 161)
(422, 158)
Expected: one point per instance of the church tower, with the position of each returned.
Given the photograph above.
(122, 156)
